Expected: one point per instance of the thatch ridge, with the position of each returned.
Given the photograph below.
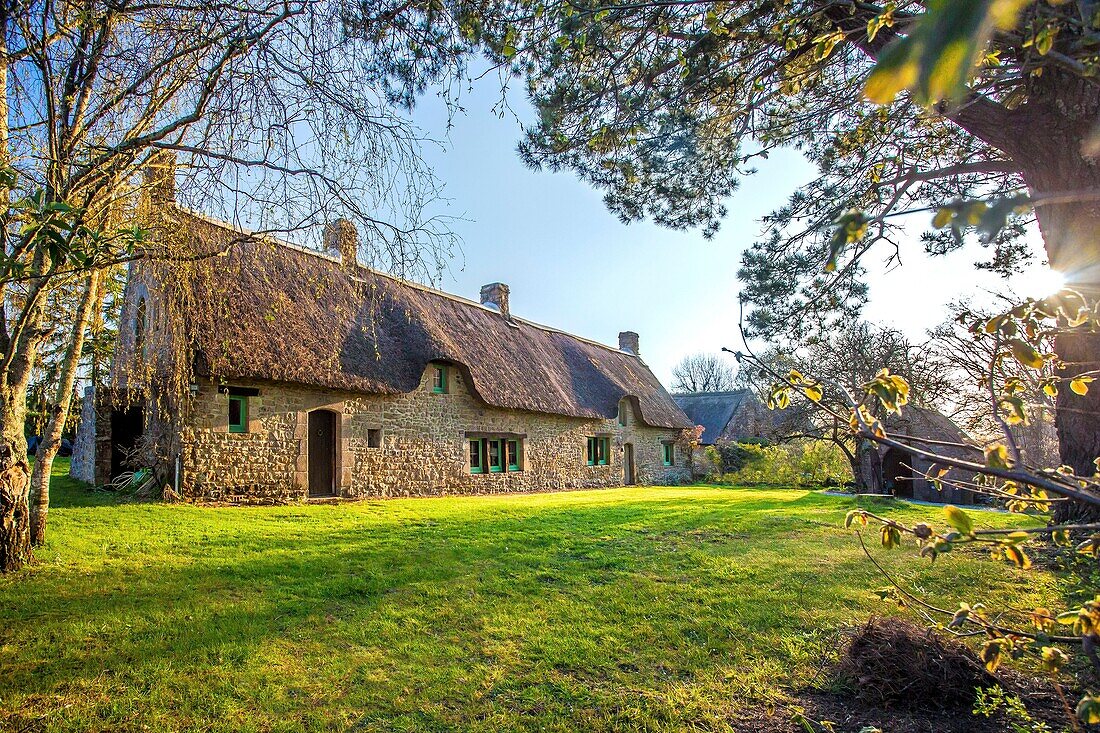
(280, 312)
(389, 275)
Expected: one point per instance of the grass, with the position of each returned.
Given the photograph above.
(628, 609)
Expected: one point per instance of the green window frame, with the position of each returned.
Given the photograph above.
(598, 451)
(238, 414)
(622, 415)
(494, 451)
(512, 454)
(477, 456)
(495, 455)
(669, 453)
(439, 379)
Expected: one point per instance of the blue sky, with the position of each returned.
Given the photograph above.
(573, 265)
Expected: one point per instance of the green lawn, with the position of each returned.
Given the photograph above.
(630, 609)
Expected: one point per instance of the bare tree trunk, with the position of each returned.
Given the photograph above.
(14, 480)
(14, 471)
(867, 467)
(59, 410)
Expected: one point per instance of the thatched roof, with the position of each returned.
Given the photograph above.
(712, 410)
(274, 311)
(923, 423)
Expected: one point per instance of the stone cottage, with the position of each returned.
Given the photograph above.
(310, 376)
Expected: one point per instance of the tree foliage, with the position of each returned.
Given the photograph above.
(998, 468)
(849, 357)
(667, 107)
(703, 373)
(281, 116)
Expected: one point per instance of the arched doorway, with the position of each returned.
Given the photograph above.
(628, 464)
(897, 473)
(322, 453)
(127, 428)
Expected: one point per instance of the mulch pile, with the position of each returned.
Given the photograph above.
(895, 664)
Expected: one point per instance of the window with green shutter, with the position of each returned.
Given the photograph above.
(238, 414)
(513, 456)
(669, 453)
(496, 454)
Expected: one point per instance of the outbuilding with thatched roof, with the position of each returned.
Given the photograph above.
(734, 415)
(907, 475)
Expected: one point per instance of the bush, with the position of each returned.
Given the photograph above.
(802, 463)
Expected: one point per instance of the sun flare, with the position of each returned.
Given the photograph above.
(1041, 282)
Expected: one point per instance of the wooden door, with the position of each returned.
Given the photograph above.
(322, 453)
(628, 464)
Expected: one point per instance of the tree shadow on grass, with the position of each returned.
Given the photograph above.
(414, 592)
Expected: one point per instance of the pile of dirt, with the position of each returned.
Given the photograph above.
(896, 664)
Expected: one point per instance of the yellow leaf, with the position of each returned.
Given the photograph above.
(1080, 385)
(885, 83)
(958, 519)
(1026, 354)
(996, 456)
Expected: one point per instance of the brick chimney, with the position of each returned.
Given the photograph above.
(342, 238)
(495, 295)
(160, 177)
(628, 341)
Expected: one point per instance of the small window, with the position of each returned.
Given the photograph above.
(477, 458)
(513, 455)
(622, 414)
(139, 326)
(668, 453)
(374, 437)
(439, 379)
(238, 414)
(598, 451)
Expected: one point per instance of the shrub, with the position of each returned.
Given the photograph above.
(802, 463)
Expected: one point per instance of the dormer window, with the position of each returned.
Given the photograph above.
(439, 379)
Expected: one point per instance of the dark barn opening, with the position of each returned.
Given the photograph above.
(127, 426)
(897, 473)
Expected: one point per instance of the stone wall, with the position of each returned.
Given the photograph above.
(82, 465)
(423, 450)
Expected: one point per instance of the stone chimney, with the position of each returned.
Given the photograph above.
(495, 295)
(160, 177)
(342, 238)
(628, 341)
